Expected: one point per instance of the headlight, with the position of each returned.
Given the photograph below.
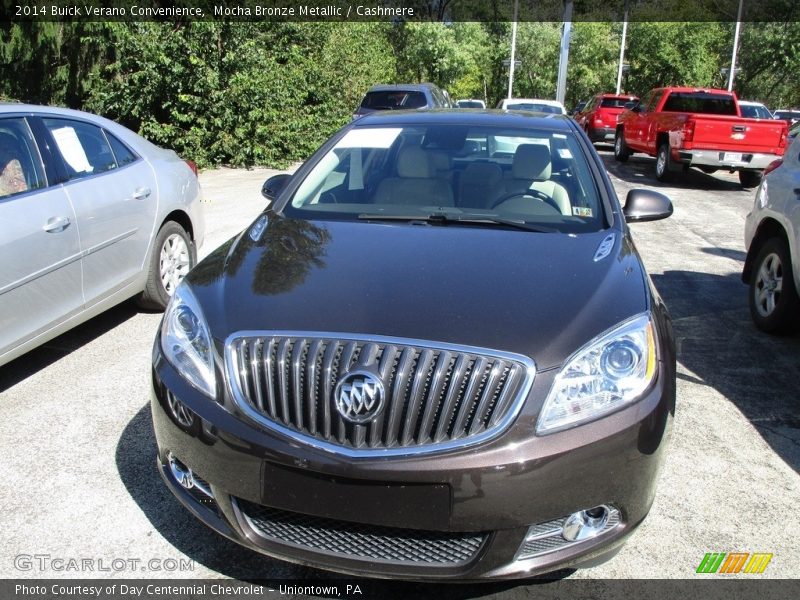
(186, 342)
(610, 372)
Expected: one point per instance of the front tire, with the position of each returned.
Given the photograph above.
(750, 179)
(173, 256)
(621, 150)
(774, 304)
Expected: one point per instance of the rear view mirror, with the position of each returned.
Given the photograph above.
(646, 205)
(273, 186)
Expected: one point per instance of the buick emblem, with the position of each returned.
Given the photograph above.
(359, 396)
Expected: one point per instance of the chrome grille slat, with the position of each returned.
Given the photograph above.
(434, 399)
(284, 348)
(436, 396)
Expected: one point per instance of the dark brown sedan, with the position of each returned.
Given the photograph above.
(437, 355)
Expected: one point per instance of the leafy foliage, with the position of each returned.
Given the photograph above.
(268, 93)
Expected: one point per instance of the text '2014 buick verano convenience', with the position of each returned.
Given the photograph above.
(436, 355)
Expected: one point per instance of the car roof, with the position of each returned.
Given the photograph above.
(471, 117)
(389, 87)
(36, 109)
(537, 100)
(620, 96)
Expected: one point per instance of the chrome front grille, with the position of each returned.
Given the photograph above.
(437, 395)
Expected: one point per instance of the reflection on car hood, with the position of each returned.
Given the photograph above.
(536, 294)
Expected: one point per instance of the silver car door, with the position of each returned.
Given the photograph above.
(115, 200)
(40, 269)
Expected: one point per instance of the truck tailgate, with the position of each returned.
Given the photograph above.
(736, 134)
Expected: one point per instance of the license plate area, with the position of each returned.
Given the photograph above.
(731, 157)
(407, 505)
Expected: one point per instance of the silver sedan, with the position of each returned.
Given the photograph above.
(91, 214)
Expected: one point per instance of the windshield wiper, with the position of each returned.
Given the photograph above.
(441, 218)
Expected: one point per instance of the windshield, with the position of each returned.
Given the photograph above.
(529, 176)
(614, 102)
(545, 108)
(395, 99)
(755, 111)
(470, 104)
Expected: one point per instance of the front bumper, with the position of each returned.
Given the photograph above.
(734, 161)
(461, 514)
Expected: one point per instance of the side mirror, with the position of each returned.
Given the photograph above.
(646, 205)
(273, 186)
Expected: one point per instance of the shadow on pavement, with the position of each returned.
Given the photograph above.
(640, 170)
(57, 348)
(718, 342)
(136, 463)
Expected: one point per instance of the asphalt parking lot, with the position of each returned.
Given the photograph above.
(78, 469)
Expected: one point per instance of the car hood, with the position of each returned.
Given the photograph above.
(539, 294)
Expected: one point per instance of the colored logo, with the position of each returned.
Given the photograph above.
(734, 562)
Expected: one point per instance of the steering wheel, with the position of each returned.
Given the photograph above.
(531, 193)
(328, 198)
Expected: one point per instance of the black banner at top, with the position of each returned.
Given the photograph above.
(402, 10)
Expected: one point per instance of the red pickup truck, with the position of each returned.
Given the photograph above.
(689, 127)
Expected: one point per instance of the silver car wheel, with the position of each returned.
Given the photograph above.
(661, 163)
(768, 285)
(174, 262)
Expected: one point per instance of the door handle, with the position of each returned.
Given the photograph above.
(141, 193)
(56, 224)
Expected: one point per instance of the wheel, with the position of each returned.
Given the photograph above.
(750, 179)
(774, 304)
(172, 257)
(621, 150)
(663, 163)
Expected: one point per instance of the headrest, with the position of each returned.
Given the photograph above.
(531, 161)
(482, 173)
(413, 161)
(440, 160)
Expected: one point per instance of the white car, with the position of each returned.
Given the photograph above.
(470, 103)
(533, 104)
(772, 238)
(754, 110)
(91, 214)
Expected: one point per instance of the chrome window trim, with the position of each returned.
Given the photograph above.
(242, 404)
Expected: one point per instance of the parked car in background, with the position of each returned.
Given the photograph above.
(794, 130)
(91, 214)
(754, 110)
(689, 127)
(402, 371)
(471, 103)
(599, 117)
(790, 116)
(532, 104)
(577, 108)
(402, 96)
(772, 239)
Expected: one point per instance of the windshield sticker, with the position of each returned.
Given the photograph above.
(565, 153)
(581, 211)
(382, 137)
(71, 149)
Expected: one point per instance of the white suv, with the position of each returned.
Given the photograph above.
(772, 238)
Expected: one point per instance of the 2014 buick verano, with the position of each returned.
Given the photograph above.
(437, 355)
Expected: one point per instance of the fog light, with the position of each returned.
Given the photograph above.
(186, 478)
(586, 524)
